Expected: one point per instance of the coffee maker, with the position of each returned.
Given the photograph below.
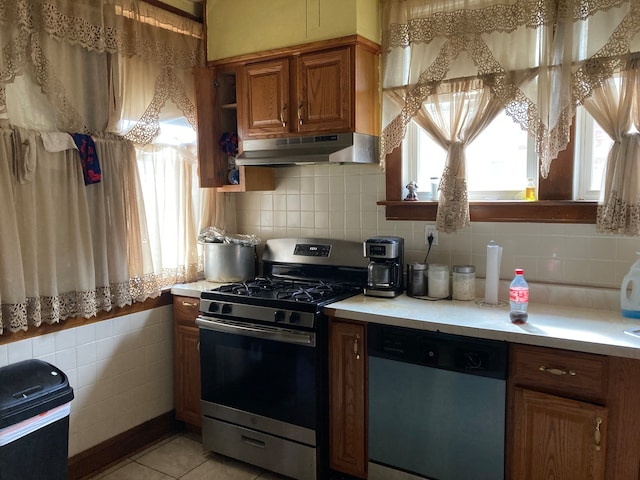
(384, 272)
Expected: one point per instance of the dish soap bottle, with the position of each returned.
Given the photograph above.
(630, 292)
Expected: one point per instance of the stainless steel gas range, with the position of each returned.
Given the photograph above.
(263, 352)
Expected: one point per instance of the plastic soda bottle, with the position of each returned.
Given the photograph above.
(519, 298)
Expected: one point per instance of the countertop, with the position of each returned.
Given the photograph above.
(573, 328)
(600, 328)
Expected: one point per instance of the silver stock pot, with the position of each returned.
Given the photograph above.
(226, 262)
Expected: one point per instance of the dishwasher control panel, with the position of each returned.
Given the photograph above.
(458, 353)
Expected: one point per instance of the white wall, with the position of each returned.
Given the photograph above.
(340, 202)
(121, 371)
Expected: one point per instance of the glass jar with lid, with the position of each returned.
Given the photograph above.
(464, 282)
(438, 283)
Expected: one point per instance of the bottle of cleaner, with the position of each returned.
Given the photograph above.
(519, 298)
(630, 292)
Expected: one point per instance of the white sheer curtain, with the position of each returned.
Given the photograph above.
(68, 249)
(121, 71)
(616, 107)
(563, 48)
(454, 116)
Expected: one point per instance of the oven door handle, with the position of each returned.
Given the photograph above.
(258, 331)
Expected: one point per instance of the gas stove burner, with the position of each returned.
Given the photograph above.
(312, 292)
(253, 287)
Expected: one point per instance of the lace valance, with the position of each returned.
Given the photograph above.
(563, 49)
(78, 54)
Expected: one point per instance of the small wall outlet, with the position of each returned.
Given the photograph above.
(430, 230)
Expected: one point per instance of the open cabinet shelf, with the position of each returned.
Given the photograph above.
(252, 179)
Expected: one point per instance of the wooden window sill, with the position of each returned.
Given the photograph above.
(164, 299)
(543, 211)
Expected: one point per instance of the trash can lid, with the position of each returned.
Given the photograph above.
(29, 388)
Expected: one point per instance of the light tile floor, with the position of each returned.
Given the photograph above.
(183, 457)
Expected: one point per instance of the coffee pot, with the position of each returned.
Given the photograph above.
(384, 272)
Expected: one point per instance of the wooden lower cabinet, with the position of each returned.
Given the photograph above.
(557, 437)
(186, 361)
(572, 415)
(347, 397)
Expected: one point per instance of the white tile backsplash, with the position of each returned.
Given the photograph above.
(343, 199)
(121, 371)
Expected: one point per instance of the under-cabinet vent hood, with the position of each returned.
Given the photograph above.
(333, 148)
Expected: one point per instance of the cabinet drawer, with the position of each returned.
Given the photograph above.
(560, 371)
(185, 309)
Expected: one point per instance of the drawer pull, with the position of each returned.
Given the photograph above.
(189, 304)
(254, 442)
(557, 371)
(597, 433)
(356, 347)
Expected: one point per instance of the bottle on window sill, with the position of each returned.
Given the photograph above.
(530, 191)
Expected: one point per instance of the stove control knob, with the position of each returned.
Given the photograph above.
(226, 308)
(213, 307)
(294, 318)
(278, 316)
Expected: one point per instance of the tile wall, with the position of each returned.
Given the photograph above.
(340, 202)
(121, 372)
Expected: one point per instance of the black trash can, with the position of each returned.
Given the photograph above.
(35, 401)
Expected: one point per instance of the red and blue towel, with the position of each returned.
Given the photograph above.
(88, 157)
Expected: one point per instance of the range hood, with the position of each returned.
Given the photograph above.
(333, 148)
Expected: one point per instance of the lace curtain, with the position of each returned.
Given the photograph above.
(616, 107)
(563, 49)
(470, 109)
(73, 51)
(68, 249)
(119, 70)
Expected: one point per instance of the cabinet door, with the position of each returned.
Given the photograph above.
(347, 432)
(212, 164)
(323, 92)
(186, 361)
(555, 437)
(188, 379)
(265, 98)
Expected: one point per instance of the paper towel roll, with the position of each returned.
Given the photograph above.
(494, 256)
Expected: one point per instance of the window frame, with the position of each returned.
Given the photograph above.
(554, 204)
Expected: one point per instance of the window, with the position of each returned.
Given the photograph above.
(541, 67)
(502, 159)
(592, 148)
(499, 161)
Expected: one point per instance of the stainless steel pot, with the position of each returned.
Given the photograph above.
(224, 262)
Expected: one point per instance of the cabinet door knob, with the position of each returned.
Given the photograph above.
(282, 116)
(300, 113)
(597, 433)
(557, 371)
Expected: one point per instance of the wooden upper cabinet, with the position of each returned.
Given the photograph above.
(331, 87)
(216, 108)
(323, 92)
(306, 94)
(265, 93)
(212, 165)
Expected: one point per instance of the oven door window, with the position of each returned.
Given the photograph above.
(265, 377)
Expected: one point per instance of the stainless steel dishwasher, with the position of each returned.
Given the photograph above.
(436, 405)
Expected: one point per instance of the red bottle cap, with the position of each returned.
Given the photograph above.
(519, 271)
